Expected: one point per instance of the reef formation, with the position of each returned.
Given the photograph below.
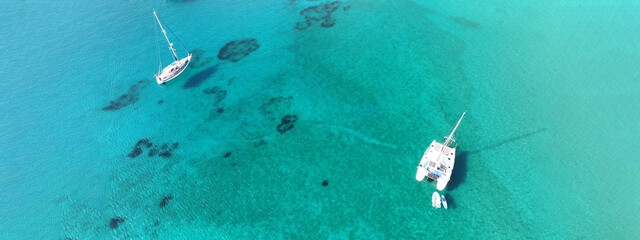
(236, 50)
(218, 93)
(115, 222)
(319, 13)
(165, 201)
(276, 106)
(130, 97)
(163, 150)
(197, 59)
(287, 123)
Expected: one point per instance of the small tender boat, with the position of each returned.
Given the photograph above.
(437, 162)
(177, 66)
(444, 202)
(435, 200)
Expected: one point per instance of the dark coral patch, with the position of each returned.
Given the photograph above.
(238, 49)
(328, 23)
(130, 97)
(135, 152)
(233, 164)
(220, 110)
(280, 99)
(227, 155)
(217, 92)
(212, 90)
(167, 151)
(163, 150)
(303, 25)
(137, 149)
(220, 96)
(160, 102)
(259, 143)
(319, 13)
(144, 142)
(153, 152)
(196, 54)
(197, 59)
(287, 123)
(325, 183)
(165, 154)
(115, 222)
(276, 106)
(165, 201)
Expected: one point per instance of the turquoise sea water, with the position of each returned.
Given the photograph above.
(548, 149)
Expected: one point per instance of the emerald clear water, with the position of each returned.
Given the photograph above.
(547, 150)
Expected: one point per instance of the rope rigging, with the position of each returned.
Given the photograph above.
(158, 49)
(185, 48)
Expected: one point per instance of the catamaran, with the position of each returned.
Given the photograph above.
(437, 162)
(178, 66)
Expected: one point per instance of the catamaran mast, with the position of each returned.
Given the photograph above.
(444, 146)
(446, 143)
(165, 36)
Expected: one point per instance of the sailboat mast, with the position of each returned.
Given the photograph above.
(165, 36)
(446, 143)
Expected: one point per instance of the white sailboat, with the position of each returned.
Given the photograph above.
(177, 66)
(437, 162)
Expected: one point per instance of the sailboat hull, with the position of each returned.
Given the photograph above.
(173, 70)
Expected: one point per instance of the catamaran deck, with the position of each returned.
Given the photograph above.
(430, 166)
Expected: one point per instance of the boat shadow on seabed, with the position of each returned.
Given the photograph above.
(460, 169)
(459, 173)
(197, 79)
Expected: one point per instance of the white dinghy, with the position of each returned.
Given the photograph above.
(435, 200)
(437, 162)
(177, 66)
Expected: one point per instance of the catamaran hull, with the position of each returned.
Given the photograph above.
(450, 160)
(442, 183)
(422, 169)
(173, 70)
